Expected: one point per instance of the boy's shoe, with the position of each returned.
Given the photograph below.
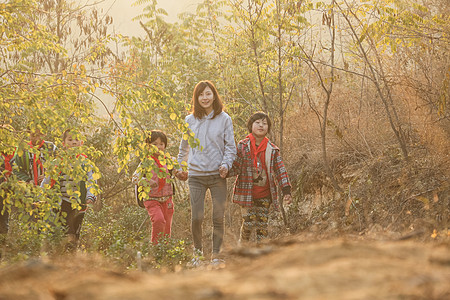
(71, 243)
(197, 259)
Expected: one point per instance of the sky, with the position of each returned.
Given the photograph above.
(123, 12)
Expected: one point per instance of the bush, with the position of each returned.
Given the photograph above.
(169, 253)
(121, 235)
(23, 241)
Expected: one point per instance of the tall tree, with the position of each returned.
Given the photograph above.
(326, 76)
(265, 74)
(31, 99)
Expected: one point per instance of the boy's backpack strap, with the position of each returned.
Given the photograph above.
(23, 163)
(139, 200)
(83, 191)
(83, 188)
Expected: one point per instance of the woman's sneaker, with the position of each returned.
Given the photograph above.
(197, 259)
(217, 262)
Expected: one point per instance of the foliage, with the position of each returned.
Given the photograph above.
(120, 235)
(52, 102)
(111, 231)
(57, 68)
(23, 242)
(170, 253)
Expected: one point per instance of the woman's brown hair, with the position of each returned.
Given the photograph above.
(199, 111)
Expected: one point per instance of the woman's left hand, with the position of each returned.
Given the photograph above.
(223, 171)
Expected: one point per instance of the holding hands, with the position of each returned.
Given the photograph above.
(223, 171)
(181, 175)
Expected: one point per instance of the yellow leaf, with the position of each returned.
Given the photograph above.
(425, 201)
(435, 197)
(173, 116)
(434, 234)
(347, 206)
(96, 176)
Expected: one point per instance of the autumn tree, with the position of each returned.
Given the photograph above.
(265, 76)
(33, 99)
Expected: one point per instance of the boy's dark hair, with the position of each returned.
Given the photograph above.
(197, 110)
(154, 135)
(258, 116)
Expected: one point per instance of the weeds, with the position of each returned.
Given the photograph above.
(169, 253)
(117, 234)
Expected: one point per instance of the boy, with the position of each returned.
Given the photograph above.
(258, 164)
(73, 217)
(31, 165)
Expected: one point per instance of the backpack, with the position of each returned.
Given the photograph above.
(139, 200)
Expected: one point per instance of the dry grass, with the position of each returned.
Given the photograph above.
(380, 187)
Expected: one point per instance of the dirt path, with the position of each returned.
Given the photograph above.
(345, 268)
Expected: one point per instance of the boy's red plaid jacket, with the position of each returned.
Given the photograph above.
(243, 168)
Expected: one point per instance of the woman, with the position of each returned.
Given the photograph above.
(208, 164)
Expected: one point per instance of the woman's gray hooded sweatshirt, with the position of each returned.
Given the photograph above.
(217, 140)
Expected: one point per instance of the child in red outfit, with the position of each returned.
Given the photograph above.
(158, 201)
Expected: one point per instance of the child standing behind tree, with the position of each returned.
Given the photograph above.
(30, 165)
(158, 201)
(5, 172)
(73, 205)
(258, 164)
